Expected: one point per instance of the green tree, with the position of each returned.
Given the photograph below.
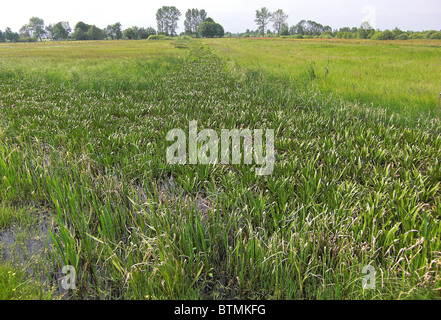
(25, 32)
(193, 18)
(436, 35)
(2, 36)
(50, 31)
(365, 30)
(95, 33)
(61, 30)
(85, 31)
(149, 31)
(135, 33)
(167, 19)
(263, 17)
(36, 26)
(385, 35)
(210, 29)
(144, 33)
(397, 32)
(80, 31)
(114, 31)
(279, 19)
(11, 36)
(285, 30)
(131, 33)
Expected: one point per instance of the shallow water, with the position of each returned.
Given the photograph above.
(19, 244)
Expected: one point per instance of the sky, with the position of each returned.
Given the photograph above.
(234, 15)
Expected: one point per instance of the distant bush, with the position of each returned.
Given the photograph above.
(416, 36)
(403, 36)
(428, 34)
(28, 39)
(293, 36)
(159, 37)
(436, 35)
(384, 35)
(284, 31)
(327, 35)
(345, 35)
(378, 36)
(364, 32)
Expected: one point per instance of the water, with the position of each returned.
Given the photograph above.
(20, 244)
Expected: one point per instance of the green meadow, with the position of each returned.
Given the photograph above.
(399, 76)
(83, 170)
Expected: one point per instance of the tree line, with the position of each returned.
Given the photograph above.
(198, 24)
(310, 29)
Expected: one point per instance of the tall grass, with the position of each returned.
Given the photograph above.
(400, 77)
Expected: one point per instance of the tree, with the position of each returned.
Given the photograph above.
(193, 18)
(311, 28)
(50, 31)
(148, 32)
(167, 19)
(2, 37)
(365, 31)
(279, 19)
(80, 31)
(85, 31)
(220, 32)
(135, 33)
(11, 36)
(117, 30)
(210, 29)
(285, 30)
(25, 32)
(36, 26)
(436, 35)
(114, 31)
(95, 33)
(385, 35)
(61, 30)
(263, 17)
(143, 33)
(130, 33)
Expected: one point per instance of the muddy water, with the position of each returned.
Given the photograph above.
(29, 247)
(20, 244)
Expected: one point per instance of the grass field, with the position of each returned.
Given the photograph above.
(83, 129)
(402, 77)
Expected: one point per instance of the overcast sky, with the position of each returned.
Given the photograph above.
(234, 15)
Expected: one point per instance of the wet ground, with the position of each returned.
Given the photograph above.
(20, 244)
(28, 247)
